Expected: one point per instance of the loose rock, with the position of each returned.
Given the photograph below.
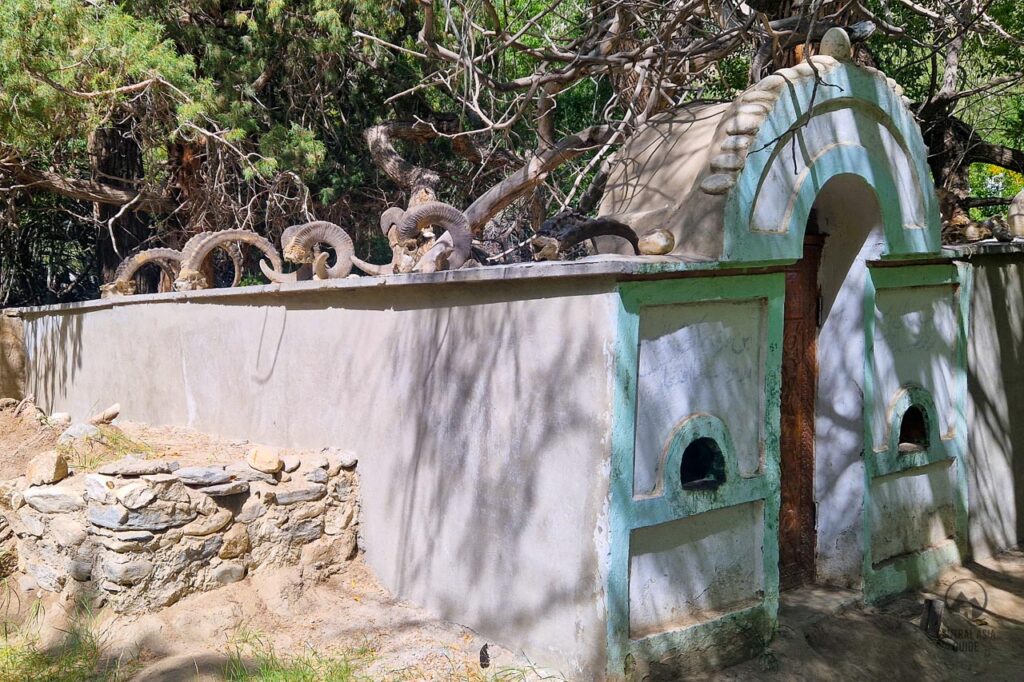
(657, 242)
(126, 573)
(252, 509)
(120, 546)
(10, 493)
(51, 499)
(236, 542)
(133, 466)
(307, 511)
(339, 518)
(228, 573)
(106, 416)
(142, 536)
(301, 494)
(291, 463)
(316, 476)
(34, 524)
(338, 459)
(47, 577)
(153, 517)
(264, 459)
(67, 532)
(203, 476)
(77, 432)
(60, 419)
(207, 525)
(204, 503)
(225, 489)
(99, 488)
(48, 467)
(243, 472)
(135, 495)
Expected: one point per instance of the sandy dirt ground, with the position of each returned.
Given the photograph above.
(352, 614)
(885, 642)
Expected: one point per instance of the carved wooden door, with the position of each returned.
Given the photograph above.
(799, 380)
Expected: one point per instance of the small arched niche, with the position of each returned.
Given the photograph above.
(913, 434)
(912, 423)
(703, 465)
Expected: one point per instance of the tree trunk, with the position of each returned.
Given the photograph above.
(116, 160)
(953, 146)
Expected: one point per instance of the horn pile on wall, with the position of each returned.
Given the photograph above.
(411, 234)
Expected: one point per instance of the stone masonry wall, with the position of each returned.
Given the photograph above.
(143, 533)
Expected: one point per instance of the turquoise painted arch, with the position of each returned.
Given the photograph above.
(854, 122)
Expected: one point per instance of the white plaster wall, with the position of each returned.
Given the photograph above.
(848, 212)
(995, 417)
(694, 569)
(915, 343)
(699, 357)
(480, 414)
(912, 511)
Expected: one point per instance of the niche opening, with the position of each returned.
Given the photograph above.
(913, 430)
(703, 465)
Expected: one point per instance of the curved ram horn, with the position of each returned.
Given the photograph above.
(373, 268)
(288, 235)
(278, 277)
(198, 248)
(235, 254)
(437, 257)
(450, 218)
(304, 238)
(390, 218)
(566, 229)
(168, 260)
(319, 267)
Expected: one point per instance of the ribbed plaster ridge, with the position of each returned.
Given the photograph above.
(748, 112)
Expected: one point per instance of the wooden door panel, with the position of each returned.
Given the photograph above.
(799, 382)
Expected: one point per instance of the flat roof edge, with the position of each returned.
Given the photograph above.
(987, 247)
(595, 266)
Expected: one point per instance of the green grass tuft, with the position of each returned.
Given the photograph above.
(88, 454)
(79, 657)
(252, 658)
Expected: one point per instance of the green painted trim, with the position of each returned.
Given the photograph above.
(891, 460)
(913, 276)
(867, 528)
(737, 288)
(910, 571)
(864, 153)
(916, 568)
(965, 294)
(755, 625)
(629, 513)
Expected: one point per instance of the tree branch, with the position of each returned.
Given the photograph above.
(979, 202)
(515, 186)
(996, 154)
(386, 157)
(80, 190)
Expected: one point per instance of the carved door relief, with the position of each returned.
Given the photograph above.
(799, 382)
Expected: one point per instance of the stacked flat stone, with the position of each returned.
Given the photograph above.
(146, 532)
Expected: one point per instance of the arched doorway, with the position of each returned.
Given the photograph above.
(822, 401)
